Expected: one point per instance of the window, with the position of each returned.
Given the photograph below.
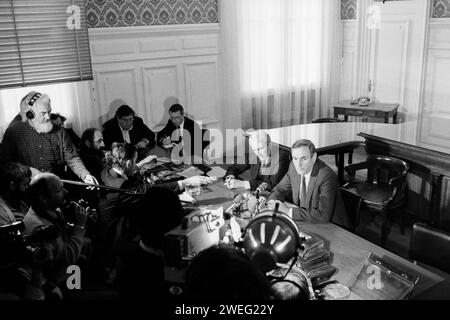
(281, 44)
(43, 41)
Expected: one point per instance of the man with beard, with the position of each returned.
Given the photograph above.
(36, 143)
(91, 151)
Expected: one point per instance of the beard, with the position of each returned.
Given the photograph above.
(44, 127)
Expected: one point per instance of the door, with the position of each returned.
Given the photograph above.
(397, 32)
(435, 129)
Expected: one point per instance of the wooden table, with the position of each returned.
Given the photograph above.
(348, 250)
(373, 110)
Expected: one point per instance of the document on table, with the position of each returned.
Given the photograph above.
(216, 172)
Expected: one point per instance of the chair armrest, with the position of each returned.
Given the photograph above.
(391, 198)
(356, 166)
(396, 181)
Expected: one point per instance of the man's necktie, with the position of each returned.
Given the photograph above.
(180, 138)
(303, 191)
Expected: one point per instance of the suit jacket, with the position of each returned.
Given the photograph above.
(191, 146)
(323, 198)
(112, 132)
(279, 164)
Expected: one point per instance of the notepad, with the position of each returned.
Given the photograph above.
(216, 172)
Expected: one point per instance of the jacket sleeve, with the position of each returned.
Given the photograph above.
(148, 134)
(71, 157)
(68, 252)
(283, 167)
(236, 170)
(282, 189)
(323, 211)
(165, 132)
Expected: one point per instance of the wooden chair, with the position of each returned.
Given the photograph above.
(383, 191)
(430, 246)
(352, 202)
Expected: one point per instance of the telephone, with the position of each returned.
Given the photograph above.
(361, 101)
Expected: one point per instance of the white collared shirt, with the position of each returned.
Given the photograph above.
(125, 134)
(180, 132)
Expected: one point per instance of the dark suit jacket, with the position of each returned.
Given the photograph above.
(279, 164)
(112, 132)
(191, 146)
(323, 198)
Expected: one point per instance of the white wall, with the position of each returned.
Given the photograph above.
(152, 67)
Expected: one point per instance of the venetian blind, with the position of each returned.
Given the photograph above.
(43, 41)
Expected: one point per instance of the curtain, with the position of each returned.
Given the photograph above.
(73, 100)
(279, 59)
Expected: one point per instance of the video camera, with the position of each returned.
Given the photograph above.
(19, 248)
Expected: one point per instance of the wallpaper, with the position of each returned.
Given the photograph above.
(348, 9)
(123, 13)
(441, 9)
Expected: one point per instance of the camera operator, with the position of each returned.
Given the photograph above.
(47, 200)
(14, 182)
(22, 262)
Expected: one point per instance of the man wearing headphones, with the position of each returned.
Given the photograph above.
(35, 142)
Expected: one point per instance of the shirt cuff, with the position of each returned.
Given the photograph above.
(247, 185)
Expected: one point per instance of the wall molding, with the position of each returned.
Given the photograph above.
(153, 67)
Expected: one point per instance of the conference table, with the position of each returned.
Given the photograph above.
(349, 251)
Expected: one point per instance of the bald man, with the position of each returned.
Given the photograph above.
(272, 163)
(48, 196)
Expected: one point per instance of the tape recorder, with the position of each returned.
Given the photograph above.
(199, 230)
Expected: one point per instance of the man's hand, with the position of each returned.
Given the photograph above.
(142, 144)
(90, 179)
(197, 181)
(78, 213)
(233, 183)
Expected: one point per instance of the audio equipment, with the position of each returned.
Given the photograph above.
(30, 113)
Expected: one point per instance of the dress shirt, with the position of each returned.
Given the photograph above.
(126, 134)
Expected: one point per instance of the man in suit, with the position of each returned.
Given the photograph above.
(269, 167)
(181, 133)
(126, 127)
(312, 186)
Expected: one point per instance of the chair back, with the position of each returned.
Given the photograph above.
(352, 203)
(326, 120)
(381, 169)
(430, 246)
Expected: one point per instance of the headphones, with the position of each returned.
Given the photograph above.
(30, 113)
(271, 238)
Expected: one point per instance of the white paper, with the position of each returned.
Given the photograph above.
(186, 197)
(191, 172)
(217, 172)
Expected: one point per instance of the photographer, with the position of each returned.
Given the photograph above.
(47, 199)
(22, 262)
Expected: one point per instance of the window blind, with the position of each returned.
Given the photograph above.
(43, 41)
